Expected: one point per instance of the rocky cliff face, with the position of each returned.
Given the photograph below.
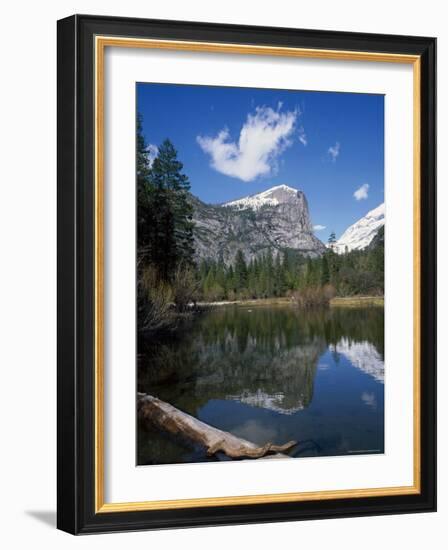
(276, 219)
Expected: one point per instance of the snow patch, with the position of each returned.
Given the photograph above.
(360, 234)
(272, 197)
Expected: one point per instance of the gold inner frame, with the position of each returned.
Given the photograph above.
(101, 42)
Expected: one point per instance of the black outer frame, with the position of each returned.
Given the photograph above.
(75, 403)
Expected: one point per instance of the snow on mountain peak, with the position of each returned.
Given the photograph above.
(377, 212)
(360, 234)
(273, 196)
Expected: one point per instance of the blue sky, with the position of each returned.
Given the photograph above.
(235, 142)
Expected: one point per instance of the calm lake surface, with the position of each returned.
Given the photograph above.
(272, 373)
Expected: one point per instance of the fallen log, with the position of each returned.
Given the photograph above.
(174, 421)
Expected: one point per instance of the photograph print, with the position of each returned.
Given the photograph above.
(259, 274)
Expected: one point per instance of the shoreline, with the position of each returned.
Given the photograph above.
(357, 301)
(338, 301)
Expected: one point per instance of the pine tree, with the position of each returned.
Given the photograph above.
(209, 283)
(161, 227)
(230, 282)
(263, 280)
(143, 161)
(252, 279)
(240, 271)
(172, 187)
(287, 271)
(220, 276)
(203, 271)
(280, 279)
(325, 272)
(145, 211)
(269, 273)
(310, 273)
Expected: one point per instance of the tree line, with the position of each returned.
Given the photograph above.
(282, 273)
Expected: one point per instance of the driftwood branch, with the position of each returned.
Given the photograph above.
(166, 417)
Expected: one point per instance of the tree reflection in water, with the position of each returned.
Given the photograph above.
(267, 373)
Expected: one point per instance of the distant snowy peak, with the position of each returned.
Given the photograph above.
(360, 234)
(272, 197)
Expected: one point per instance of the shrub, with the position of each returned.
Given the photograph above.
(231, 295)
(185, 288)
(155, 299)
(214, 293)
(329, 291)
(315, 296)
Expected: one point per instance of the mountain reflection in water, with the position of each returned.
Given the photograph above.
(272, 374)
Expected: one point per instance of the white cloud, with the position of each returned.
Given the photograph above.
(319, 227)
(362, 192)
(263, 137)
(334, 150)
(152, 151)
(302, 136)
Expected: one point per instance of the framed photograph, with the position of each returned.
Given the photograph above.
(246, 274)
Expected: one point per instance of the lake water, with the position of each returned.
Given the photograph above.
(271, 374)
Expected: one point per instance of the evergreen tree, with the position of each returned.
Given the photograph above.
(145, 211)
(286, 270)
(262, 284)
(164, 211)
(209, 283)
(172, 187)
(269, 273)
(310, 272)
(325, 272)
(252, 279)
(220, 275)
(334, 264)
(230, 282)
(280, 279)
(203, 271)
(240, 271)
(143, 160)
